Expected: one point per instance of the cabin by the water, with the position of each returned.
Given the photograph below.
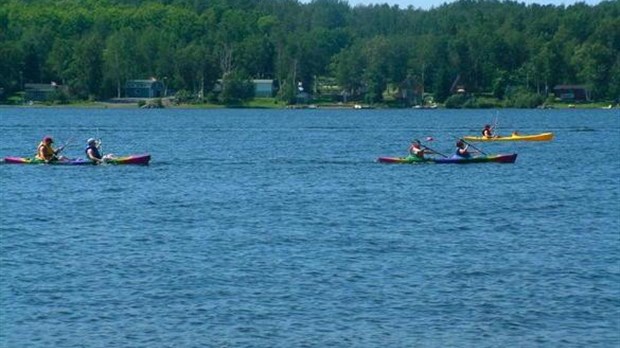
(145, 89)
(572, 93)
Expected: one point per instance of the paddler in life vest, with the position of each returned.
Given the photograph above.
(46, 152)
(462, 149)
(487, 132)
(416, 150)
(92, 151)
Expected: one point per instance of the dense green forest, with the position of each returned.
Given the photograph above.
(504, 49)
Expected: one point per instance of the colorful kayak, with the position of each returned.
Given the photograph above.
(513, 137)
(406, 160)
(499, 158)
(131, 159)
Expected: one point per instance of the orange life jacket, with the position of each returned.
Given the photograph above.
(45, 152)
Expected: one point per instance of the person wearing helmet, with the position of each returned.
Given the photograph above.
(462, 149)
(46, 152)
(92, 151)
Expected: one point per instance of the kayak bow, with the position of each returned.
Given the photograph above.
(132, 159)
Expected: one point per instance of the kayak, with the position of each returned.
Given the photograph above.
(513, 137)
(499, 158)
(131, 159)
(407, 160)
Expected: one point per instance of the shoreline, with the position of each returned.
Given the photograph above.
(137, 105)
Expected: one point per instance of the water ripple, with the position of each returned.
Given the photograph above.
(258, 228)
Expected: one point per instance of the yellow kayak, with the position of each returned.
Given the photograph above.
(513, 137)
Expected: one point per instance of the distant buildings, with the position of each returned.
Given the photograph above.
(264, 88)
(572, 93)
(39, 92)
(145, 89)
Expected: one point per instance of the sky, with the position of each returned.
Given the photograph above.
(427, 4)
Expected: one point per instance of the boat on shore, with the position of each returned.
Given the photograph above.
(513, 137)
(496, 158)
(131, 159)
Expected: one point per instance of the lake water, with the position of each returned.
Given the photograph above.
(277, 228)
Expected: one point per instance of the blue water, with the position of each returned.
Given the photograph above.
(277, 228)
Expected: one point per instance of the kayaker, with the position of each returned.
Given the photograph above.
(487, 132)
(416, 150)
(92, 151)
(462, 149)
(46, 152)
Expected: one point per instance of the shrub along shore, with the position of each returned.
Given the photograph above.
(272, 103)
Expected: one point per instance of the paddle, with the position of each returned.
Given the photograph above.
(475, 148)
(104, 158)
(424, 147)
(58, 150)
(489, 132)
(433, 150)
(98, 143)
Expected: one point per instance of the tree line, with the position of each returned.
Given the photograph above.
(498, 48)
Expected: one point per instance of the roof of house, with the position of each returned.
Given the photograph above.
(149, 81)
(570, 87)
(39, 86)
